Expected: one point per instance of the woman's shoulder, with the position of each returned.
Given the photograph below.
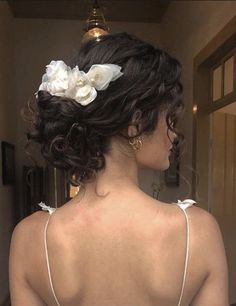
(27, 230)
(203, 225)
(31, 221)
(25, 238)
(204, 232)
(206, 228)
(195, 213)
(199, 218)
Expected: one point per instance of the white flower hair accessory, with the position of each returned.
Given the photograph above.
(61, 80)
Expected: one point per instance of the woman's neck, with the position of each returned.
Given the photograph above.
(120, 174)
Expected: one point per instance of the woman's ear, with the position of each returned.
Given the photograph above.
(135, 125)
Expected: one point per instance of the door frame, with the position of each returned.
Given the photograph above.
(220, 45)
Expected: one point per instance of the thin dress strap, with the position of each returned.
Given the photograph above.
(183, 205)
(50, 210)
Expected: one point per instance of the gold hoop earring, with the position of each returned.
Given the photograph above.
(136, 142)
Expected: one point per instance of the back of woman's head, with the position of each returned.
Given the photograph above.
(76, 137)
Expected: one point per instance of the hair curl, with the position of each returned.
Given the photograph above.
(75, 137)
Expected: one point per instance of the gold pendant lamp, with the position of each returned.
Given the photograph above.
(95, 25)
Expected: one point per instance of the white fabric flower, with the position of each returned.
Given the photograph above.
(55, 80)
(102, 75)
(80, 88)
(60, 80)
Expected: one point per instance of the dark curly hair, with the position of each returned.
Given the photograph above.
(75, 138)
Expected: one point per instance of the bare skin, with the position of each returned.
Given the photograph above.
(122, 249)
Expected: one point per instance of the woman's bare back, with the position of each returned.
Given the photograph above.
(126, 254)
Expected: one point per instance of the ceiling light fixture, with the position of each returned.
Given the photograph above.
(95, 25)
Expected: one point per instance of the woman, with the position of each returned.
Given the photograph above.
(115, 112)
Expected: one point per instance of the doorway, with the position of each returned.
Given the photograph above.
(222, 178)
(214, 149)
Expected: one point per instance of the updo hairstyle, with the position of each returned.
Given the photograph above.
(75, 138)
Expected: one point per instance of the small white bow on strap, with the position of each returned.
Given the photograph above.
(48, 208)
(187, 201)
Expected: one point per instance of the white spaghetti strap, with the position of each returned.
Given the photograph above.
(183, 205)
(50, 210)
(186, 259)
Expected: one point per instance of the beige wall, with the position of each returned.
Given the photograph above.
(7, 133)
(185, 29)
